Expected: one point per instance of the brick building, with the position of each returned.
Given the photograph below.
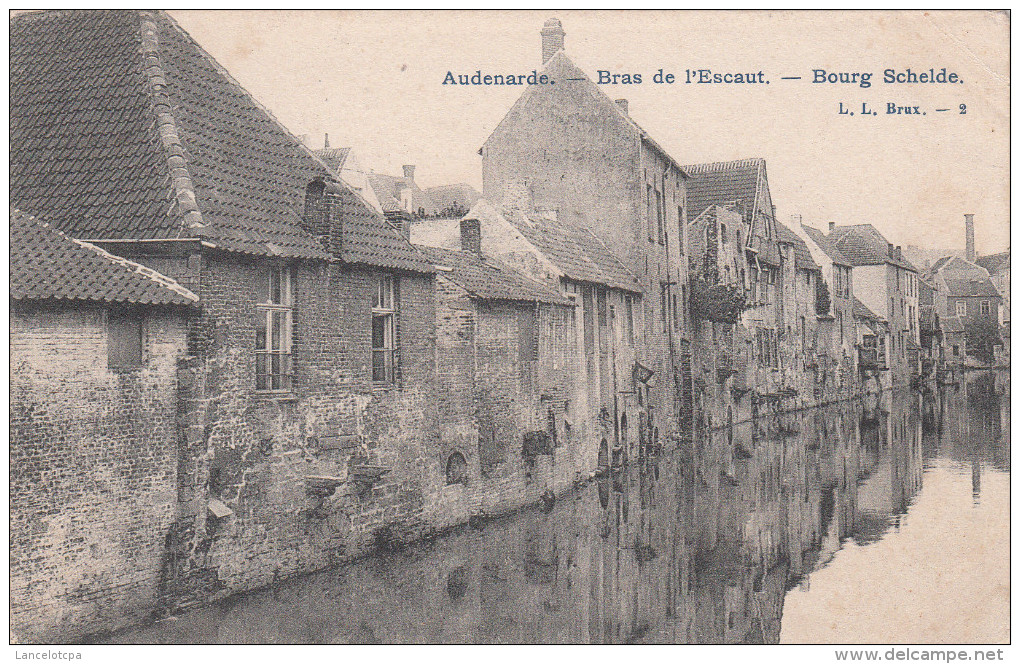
(507, 383)
(94, 341)
(306, 389)
(569, 151)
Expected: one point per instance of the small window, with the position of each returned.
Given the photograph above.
(628, 302)
(961, 308)
(722, 233)
(680, 228)
(384, 330)
(273, 328)
(124, 339)
(986, 307)
(456, 469)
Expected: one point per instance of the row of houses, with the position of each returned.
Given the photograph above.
(231, 364)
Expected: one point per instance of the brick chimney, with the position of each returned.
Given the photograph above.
(321, 215)
(969, 221)
(832, 226)
(409, 172)
(624, 106)
(400, 221)
(899, 252)
(890, 249)
(552, 38)
(471, 235)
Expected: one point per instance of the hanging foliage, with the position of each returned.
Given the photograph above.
(719, 303)
(823, 301)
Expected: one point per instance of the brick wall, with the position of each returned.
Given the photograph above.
(255, 452)
(93, 471)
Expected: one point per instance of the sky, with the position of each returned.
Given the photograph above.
(373, 81)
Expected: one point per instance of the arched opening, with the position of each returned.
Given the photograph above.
(604, 454)
(456, 469)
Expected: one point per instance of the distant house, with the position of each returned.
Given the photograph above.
(872, 336)
(94, 345)
(402, 194)
(346, 164)
(997, 266)
(837, 272)
(887, 284)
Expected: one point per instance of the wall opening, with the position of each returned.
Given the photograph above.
(456, 469)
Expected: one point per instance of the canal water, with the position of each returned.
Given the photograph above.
(880, 521)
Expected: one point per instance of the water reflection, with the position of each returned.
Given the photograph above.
(704, 544)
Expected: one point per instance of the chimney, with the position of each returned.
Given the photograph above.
(326, 146)
(400, 221)
(832, 226)
(409, 172)
(899, 252)
(552, 38)
(890, 250)
(320, 218)
(471, 235)
(969, 220)
(622, 103)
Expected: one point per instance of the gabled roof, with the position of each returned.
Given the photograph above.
(575, 250)
(723, 182)
(488, 279)
(994, 262)
(48, 265)
(122, 127)
(802, 255)
(388, 190)
(958, 267)
(825, 244)
(863, 312)
(971, 288)
(561, 67)
(863, 244)
(334, 157)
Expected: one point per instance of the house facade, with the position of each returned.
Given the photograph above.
(94, 343)
(569, 150)
(887, 284)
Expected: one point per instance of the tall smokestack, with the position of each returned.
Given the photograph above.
(971, 254)
(552, 38)
(409, 172)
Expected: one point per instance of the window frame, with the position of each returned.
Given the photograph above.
(276, 314)
(961, 304)
(386, 287)
(986, 308)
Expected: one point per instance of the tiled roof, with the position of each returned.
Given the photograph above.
(488, 279)
(800, 250)
(122, 127)
(994, 262)
(388, 189)
(826, 245)
(862, 311)
(723, 182)
(46, 264)
(971, 288)
(863, 244)
(333, 157)
(574, 250)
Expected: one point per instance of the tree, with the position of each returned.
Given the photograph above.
(982, 337)
(823, 301)
(716, 302)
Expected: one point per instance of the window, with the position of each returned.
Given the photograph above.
(124, 339)
(660, 213)
(384, 330)
(649, 202)
(456, 469)
(675, 313)
(680, 228)
(961, 308)
(273, 322)
(985, 308)
(722, 233)
(628, 302)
